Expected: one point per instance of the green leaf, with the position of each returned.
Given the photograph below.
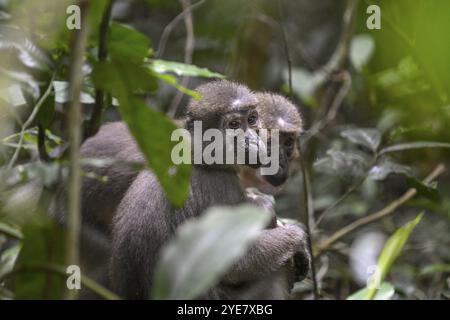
(204, 249)
(369, 138)
(127, 43)
(43, 243)
(361, 50)
(151, 129)
(391, 251)
(171, 80)
(423, 189)
(182, 69)
(386, 292)
(8, 259)
(414, 145)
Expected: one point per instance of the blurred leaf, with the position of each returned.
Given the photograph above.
(386, 292)
(171, 80)
(45, 173)
(10, 231)
(127, 43)
(43, 243)
(381, 170)
(62, 93)
(391, 251)
(361, 50)
(369, 138)
(151, 129)
(304, 82)
(182, 69)
(8, 259)
(342, 163)
(414, 145)
(423, 189)
(435, 268)
(204, 249)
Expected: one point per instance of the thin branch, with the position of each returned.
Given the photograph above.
(28, 123)
(188, 53)
(60, 271)
(386, 211)
(349, 191)
(100, 97)
(306, 184)
(334, 108)
(168, 29)
(309, 214)
(286, 48)
(75, 134)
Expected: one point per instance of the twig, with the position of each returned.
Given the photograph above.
(386, 211)
(347, 193)
(306, 184)
(334, 108)
(188, 52)
(286, 48)
(99, 106)
(29, 121)
(59, 270)
(76, 82)
(168, 29)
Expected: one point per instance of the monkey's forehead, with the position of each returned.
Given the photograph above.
(277, 112)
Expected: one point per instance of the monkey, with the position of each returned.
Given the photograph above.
(99, 199)
(145, 220)
(277, 112)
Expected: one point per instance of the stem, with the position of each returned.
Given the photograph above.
(188, 53)
(76, 82)
(168, 29)
(29, 121)
(307, 197)
(100, 97)
(386, 211)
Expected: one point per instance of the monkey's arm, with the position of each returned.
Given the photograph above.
(271, 250)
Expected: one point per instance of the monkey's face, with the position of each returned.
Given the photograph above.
(287, 143)
(241, 129)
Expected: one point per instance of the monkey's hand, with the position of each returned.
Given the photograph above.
(265, 202)
(270, 251)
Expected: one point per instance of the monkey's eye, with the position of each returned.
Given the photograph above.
(234, 124)
(289, 142)
(252, 119)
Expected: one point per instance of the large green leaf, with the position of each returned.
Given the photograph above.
(151, 129)
(391, 251)
(204, 249)
(127, 43)
(182, 69)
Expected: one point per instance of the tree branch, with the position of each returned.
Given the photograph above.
(307, 197)
(386, 211)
